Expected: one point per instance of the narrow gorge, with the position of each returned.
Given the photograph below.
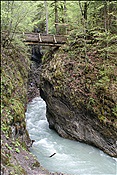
(58, 87)
(79, 107)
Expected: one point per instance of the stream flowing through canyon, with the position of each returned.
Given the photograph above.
(72, 157)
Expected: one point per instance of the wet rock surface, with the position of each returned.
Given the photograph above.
(78, 125)
(33, 81)
(21, 160)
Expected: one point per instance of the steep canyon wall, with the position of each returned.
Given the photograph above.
(78, 107)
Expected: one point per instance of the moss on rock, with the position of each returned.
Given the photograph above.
(85, 85)
(15, 68)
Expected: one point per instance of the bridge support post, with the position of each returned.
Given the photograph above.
(54, 39)
(40, 38)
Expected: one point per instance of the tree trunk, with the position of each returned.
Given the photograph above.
(85, 11)
(65, 16)
(106, 27)
(84, 22)
(46, 11)
(56, 17)
(105, 15)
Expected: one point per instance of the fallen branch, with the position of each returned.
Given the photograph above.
(52, 155)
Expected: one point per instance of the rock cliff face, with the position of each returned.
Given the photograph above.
(15, 156)
(78, 107)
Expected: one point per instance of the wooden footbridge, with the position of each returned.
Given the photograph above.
(37, 38)
(44, 39)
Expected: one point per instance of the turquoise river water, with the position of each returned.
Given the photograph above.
(72, 157)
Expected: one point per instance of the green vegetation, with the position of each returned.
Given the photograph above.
(85, 68)
(14, 74)
(16, 17)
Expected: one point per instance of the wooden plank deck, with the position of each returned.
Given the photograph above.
(37, 38)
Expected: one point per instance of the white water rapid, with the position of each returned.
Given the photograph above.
(71, 157)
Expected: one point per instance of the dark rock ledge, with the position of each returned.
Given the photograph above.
(77, 125)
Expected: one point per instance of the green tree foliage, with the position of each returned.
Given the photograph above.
(105, 33)
(40, 16)
(16, 17)
(52, 6)
(94, 19)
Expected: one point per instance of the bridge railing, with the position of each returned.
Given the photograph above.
(38, 38)
(42, 38)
